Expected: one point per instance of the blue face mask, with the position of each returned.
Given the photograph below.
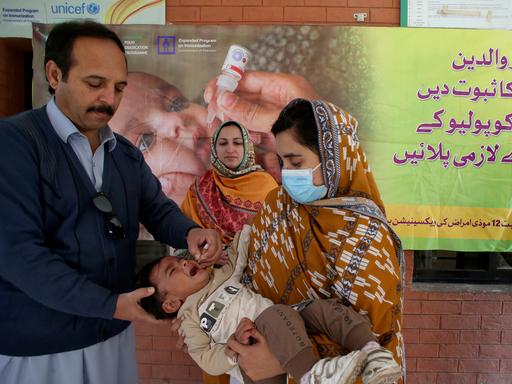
(299, 185)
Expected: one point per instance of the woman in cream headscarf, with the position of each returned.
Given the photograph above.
(229, 195)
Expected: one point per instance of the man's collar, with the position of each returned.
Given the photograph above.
(65, 127)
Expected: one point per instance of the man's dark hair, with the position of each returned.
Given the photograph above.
(61, 39)
(298, 115)
(152, 304)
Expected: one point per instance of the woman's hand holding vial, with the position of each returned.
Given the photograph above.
(232, 71)
(258, 99)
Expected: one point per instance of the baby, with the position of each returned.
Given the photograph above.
(213, 303)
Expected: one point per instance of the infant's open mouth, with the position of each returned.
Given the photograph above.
(193, 270)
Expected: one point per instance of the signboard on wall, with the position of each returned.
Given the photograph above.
(484, 14)
(17, 16)
(434, 110)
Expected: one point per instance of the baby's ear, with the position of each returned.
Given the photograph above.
(171, 305)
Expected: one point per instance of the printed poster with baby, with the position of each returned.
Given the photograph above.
(434, 112)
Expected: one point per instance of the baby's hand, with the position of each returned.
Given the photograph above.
(244, 331)
(175, 331)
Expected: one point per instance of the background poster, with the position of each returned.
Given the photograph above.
(434, 111)
(485, 14)
(17, 16)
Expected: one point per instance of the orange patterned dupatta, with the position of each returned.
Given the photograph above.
(340, 246)
(226, 199)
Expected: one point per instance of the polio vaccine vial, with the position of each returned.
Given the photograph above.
(232, 71)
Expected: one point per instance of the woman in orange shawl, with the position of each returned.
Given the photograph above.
(324, 233)
(229, 195)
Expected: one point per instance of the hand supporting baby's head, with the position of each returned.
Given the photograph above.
(152, 304)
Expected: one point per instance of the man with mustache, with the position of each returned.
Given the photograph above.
(72, 195)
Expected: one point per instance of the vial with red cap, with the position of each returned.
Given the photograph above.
(233, 69)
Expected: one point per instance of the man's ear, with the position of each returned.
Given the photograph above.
(53, 74)
(171, 305)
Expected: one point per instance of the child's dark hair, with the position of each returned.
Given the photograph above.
(152, 304)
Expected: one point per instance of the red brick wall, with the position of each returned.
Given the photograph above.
(380, 12)
(11, 77)
(158, 360)
(457, 337)
(451, 337)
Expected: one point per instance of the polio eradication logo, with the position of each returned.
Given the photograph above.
(74, 9)
(166, 45)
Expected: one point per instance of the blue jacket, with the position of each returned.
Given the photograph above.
(60, 274)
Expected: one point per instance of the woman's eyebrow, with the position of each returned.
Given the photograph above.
(289, 155)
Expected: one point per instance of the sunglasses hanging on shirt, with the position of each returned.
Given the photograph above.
(114, 227)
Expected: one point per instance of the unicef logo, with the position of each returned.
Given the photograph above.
(70, 9)
(93, 8)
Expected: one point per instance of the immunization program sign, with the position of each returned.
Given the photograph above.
(17, 16)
